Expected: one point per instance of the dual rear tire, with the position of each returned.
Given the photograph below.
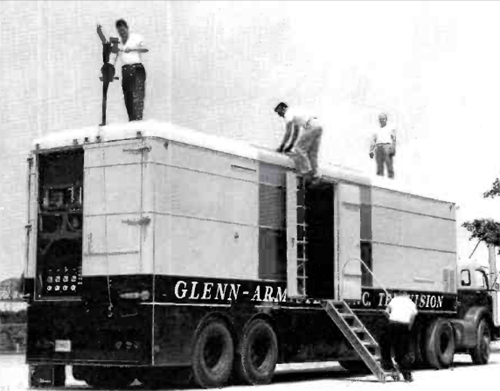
(215, 359)
(258, 354)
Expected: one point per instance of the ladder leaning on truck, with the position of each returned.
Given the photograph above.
(152, 248)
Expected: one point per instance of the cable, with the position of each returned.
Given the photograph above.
(110, 307)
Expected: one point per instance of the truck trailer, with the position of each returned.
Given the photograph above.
(153, 248)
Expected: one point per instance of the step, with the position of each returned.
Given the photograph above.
(360, 338)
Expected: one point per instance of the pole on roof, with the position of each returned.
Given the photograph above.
(107, 69)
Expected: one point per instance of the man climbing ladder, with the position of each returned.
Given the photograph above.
(302, 140)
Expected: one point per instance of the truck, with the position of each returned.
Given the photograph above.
(154, 249)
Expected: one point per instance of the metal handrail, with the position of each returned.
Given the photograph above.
(367, 268)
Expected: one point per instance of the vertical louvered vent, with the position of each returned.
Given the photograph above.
(272, 222)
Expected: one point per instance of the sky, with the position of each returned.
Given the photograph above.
(433, 67)
(222, 66)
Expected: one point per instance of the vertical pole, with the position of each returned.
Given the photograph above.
(105, 86)
(107, 77)
(492, 260)
(41, 68)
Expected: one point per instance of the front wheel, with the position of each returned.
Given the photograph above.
(440, 344)
(213, 355)
(258, 353)
(480, 354)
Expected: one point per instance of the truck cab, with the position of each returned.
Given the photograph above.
(474, 278)
(479, 286)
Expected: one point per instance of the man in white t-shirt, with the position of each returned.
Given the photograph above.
(131, 48)
(402, 312)
(384, 147)
(302, 139)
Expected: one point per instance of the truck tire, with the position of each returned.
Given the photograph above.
(440, 344)
(213, 355)
(258, 353)
(480, 354)
(355, 366)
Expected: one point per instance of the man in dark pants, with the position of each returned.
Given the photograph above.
(383, 147)
(133, 72)
(401, 312)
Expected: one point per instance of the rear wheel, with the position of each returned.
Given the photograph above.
(481, 353)
(440, 344)
(213, 355)
(258, 355)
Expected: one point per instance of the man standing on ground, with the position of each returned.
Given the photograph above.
(133, 72)
(384, 147)
(402, 312)
(302, 140)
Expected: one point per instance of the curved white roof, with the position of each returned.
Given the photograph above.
(176, 133)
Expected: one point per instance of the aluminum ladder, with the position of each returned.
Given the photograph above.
(359, 337)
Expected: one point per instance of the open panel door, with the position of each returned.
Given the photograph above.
(113, 202)
(31, 221)
(295, 227)
(349, 244)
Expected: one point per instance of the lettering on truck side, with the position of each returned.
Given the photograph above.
(227, 292)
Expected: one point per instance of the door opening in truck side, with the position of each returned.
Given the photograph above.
(320, 243)
(60, 225)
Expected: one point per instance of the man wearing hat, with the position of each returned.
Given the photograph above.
(302, 139)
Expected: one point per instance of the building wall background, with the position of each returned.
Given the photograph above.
(221, 67)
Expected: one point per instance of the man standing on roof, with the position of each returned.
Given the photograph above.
(402, 312)
(384, 147)
(302, 140)
(133, 73)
